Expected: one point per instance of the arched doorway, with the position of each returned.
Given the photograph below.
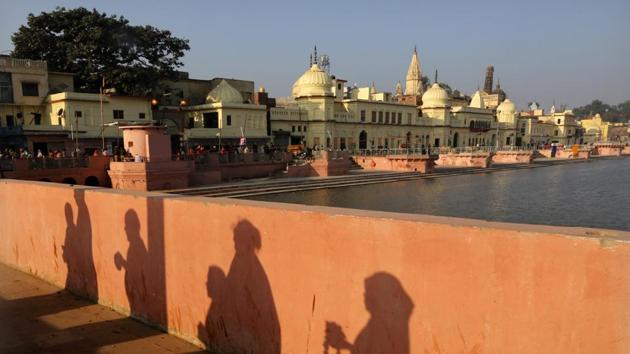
(363, 140)
(91, 181)
(69, 180)
(455, 139)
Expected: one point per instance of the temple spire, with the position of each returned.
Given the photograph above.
(413, 81)
(436, 77)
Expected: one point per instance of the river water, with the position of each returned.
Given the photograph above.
(591, 194)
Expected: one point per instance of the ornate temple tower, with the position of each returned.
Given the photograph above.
(487, 87)
(413, 84)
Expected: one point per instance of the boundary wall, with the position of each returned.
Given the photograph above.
(270, 277)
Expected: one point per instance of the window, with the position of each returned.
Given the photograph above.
(559, 120)
(386, 117)
(363, 115)
(399, 117)
(299, 128)
(6, 89)
(130, 144)
(293, 128)
(373, 116)
(338, 86)
(141, 116)
(305, 128)
(409, 118)
(229, 119)
(78, 114)
(119, 114)
(380, 117)
(30, 89)
(10, 121)
(211, 120)
(555, 133)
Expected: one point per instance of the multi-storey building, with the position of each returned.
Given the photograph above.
(539, 128)
(39, 110)
(595, 129)
(325, 112)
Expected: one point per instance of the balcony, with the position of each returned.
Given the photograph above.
(10, 131)
(22, 65)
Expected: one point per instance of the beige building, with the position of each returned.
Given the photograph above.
(80, 113)
(226, 116)
(540, 128)
(324, 112)
(39, 110)
(595, 129)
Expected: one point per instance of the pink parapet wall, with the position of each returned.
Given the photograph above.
(95, 173)
(278, 278)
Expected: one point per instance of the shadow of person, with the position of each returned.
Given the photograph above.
(242, 317)
(77, 253)
(387, 330)
(134, 264)
(213, 331)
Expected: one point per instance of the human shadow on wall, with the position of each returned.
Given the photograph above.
(135, 264)
(77, 253)
(387, 330)
(242, 317)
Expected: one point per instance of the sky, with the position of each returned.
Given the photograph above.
(567, 52)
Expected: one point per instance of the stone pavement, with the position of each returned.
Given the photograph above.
(36, 317)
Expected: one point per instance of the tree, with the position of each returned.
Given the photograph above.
(93, 45)
(612, 113)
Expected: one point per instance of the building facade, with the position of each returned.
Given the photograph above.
(40, 110)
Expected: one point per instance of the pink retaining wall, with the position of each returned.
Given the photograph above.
(608, 150)
(271, 278)
(402, 164)
(509, 157)
(464, 160)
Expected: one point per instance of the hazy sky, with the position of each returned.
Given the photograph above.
(570, 51)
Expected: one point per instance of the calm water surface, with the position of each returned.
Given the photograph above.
(591, 194)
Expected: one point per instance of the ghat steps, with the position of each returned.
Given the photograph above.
(274, 186)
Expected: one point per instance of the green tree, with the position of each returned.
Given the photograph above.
(93, 45)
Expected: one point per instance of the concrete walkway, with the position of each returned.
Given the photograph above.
(36, 317)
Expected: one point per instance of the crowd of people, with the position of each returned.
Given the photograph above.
(227, 150)
(22, 153)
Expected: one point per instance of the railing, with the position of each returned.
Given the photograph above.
(7, 165)
(64, 162)
(437, 151)
(397, 152)
(13, 63)
(10, 131)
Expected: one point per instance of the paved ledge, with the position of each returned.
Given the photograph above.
(36, 317)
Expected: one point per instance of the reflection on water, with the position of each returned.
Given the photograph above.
(593, 194)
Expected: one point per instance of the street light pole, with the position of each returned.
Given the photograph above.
(102, 120)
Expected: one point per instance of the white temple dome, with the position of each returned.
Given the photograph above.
(435, 96)
(314, 82)
(506, 107)
(224, 93)
(477, 101)
(506, 112)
